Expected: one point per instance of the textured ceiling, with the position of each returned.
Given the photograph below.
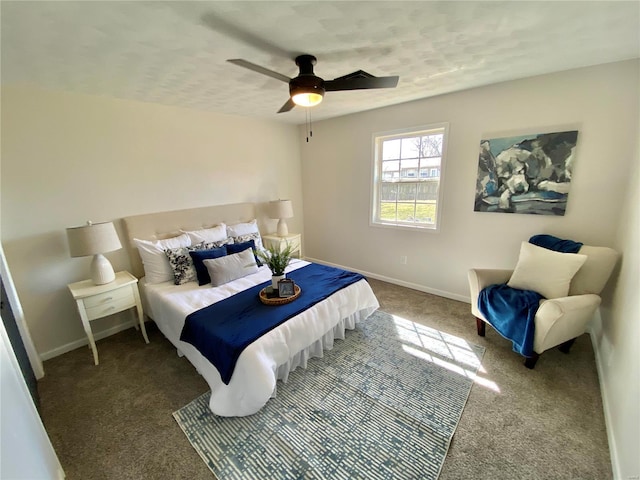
(175, 53)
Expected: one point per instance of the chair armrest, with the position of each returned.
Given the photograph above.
(480, 278)
(561, 319)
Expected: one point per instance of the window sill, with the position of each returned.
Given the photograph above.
(411, 228)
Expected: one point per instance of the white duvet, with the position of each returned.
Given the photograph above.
(273, 355)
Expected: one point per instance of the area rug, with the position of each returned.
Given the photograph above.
(383, 404)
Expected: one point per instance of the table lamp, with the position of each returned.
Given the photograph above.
(95, 239)
(282, 209)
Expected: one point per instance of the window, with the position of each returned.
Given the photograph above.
(407, 175)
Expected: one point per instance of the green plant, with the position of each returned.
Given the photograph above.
(276, 259)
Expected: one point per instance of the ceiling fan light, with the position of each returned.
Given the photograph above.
(307, 99)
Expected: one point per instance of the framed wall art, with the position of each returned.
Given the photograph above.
(528, 174)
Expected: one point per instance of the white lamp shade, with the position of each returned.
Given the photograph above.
(92, 238)
(281, 209)
(95, 239)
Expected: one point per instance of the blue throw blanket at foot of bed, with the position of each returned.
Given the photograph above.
(511, 312)
(223, 330)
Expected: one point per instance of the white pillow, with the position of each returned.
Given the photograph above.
(545, 271)
(157, 268)
(242, 232)
(225, 269)
(213, 234)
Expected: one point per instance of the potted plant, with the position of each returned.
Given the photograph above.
(277, 260)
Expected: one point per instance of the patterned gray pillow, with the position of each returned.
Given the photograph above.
(255, 236)
(218, 244)
(182, 264)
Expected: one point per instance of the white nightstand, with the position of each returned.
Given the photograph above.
(293, 239)
(97, 301)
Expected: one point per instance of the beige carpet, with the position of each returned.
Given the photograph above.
(114, 421)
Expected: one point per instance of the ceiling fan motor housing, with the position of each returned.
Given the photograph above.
(306, 84)
(306, 81)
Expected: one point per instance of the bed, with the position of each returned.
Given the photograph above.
(270, 357)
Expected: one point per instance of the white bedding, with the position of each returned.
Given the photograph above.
(272, 356)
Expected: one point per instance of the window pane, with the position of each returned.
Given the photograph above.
(390, 149)
(390, 170)
(389, 192)
(407, 192)
(430, 162)
(410, 147)
(409, 168)
(388, 212)
(427, 191)
(432, 145)
(406, 212)
(426, 213)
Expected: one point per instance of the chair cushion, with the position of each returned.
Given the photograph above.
(544, 271)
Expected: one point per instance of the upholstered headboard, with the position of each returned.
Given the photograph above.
(160, 225)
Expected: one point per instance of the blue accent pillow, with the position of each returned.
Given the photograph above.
(241, 247)
(199, 255)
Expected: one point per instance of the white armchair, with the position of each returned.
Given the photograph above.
(558, 321)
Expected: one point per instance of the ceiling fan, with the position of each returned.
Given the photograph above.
(307, 90)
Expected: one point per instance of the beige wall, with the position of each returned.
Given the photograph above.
(69, 158)
(602, 103)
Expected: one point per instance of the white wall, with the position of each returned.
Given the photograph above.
(69, 158)
(617, 339)
(597, 101)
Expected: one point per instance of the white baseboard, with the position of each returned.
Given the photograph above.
(84, 341)
(597, 340)
(395, 281)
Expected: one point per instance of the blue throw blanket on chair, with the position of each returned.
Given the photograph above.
(511, 311)
(554, 243)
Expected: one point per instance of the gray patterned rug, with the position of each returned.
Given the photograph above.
(383, 404)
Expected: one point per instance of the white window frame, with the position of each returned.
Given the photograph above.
(377, 180)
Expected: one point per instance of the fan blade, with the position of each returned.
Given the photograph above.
(221, 26)
(360, 80)
(259, 69)
(287, 106)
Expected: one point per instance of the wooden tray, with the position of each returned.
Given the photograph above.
(278, 300)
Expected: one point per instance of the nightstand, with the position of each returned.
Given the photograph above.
(293, 239)
(97, 301)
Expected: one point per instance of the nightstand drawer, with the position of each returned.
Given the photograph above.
(107, 297)
(110, 307)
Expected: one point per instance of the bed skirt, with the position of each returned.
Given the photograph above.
(317, 348)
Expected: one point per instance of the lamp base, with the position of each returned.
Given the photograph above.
(101, 270)
(283, 230)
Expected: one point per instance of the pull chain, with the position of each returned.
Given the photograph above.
(308, 125)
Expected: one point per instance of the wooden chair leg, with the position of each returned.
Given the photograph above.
(481, 325)
(566, 346)
(530, 362)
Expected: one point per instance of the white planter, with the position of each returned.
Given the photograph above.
(275, 279)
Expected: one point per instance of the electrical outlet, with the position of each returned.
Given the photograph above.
(403, 259)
